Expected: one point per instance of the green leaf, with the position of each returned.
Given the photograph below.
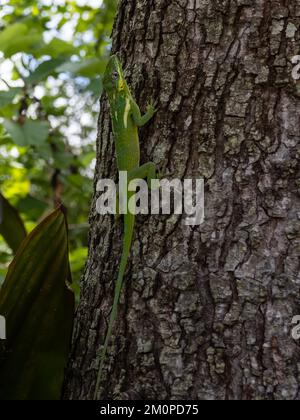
(44, 70)
(7, 96)
(16, 132)
(39, 308)
(31, 133)
(11, 226)
(57, 47)
(36, 132)
(32, 207)
(19, 37)
(10, 33)
(87, 68)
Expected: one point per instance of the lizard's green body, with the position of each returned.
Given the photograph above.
(126, 118)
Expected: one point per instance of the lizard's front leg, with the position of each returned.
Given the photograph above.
(138, 118)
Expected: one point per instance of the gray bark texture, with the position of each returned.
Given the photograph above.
(206, 311)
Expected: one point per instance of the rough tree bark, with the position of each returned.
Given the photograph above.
(206, 311)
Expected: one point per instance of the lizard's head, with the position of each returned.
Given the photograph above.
(114, 81)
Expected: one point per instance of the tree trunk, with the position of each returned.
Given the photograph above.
(206, 311)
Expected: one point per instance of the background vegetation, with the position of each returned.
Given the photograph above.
(52, 55)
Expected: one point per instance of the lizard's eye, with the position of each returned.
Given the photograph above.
(115, 76)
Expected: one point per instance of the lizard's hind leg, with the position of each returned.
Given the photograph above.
(147, 171)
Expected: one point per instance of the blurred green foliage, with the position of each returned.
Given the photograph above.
(38, 306)
(12, 228)
(52, 56)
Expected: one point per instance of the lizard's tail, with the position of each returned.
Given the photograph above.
(128, 234)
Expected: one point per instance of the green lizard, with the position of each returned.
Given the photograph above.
(126, 118)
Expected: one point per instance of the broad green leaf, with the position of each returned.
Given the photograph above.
(16, 132)
(11, 226)
(39, 309)
(36, 132)
(19, 38)
(45, 151)
(31, 133)
(11, 33)
(57, 47)
(32, 207)
(44, 70)
(88, 68)
(7, 96)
